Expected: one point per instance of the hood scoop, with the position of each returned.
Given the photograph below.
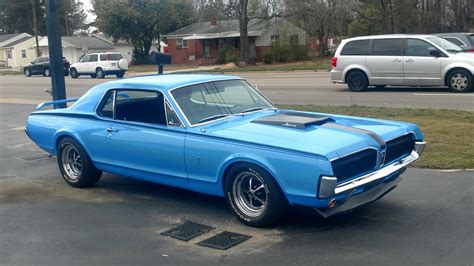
(294, 120)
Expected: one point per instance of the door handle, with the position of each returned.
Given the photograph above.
(409, 60)
(111, 129)
(397, 60)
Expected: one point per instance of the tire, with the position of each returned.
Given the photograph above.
(74, 73)
(120, 75)
(46, 72)
(27, 72)
(100, 73)
(357, 81)
(380, 87)
(459, 81)
(93, 76)
(66, 72)
(263, 206)
(75, 165)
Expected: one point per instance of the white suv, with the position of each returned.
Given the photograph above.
(99, 65)
(402, 60)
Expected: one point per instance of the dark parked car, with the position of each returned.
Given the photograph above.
(40, 66)
(465, 40)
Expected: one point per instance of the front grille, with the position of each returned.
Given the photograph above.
(354, 165)
(399, 147)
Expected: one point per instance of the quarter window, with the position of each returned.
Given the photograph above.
(360, 47)
(387, 47)
(419, 48)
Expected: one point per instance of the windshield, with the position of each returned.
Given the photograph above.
(209, 101)
(446, 45)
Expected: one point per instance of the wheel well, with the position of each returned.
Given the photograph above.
(60, 138)
(234, 164)
(451, 71)
(72, 68)
(98, 68)
(354, 70)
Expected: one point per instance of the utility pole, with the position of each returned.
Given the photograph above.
(35, 27)
(55, 53)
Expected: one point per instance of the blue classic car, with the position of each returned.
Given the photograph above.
(218, 135)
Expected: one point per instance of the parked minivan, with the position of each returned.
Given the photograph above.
(402, 60)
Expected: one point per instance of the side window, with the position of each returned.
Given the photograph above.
(417, 47)
(93, 58)
(107, 109)
(454, 40)
(360, 47)
(85, 59)
(171, 116)
(102, 57)
(140, 106)
(387, 47)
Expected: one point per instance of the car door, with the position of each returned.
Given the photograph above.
(93, 62)
(386, 62)
(419, 66)
(83, 65)
(37, 67)
(141, 142)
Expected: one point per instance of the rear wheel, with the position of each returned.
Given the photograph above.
(357, 81)
(459, 81)
(46, 72)
(254, 196)
(75, 165)
(74, 73)
(99, 72)
(120, 75)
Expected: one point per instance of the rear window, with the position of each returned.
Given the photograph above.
(110, 57)
(360, 47)
(387, 47)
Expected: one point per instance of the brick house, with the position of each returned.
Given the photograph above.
(198, 43)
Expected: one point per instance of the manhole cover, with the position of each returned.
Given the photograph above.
(224, 240)
(187, 230)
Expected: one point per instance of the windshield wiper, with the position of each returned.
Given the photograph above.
(252, 109)
(213, 117)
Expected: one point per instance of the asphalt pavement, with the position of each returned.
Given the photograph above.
(299, 87)
(427, 219)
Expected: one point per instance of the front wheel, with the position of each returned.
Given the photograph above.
(357, 81)
(27, 72)
(74, 73)
(460, 81)
(254, 196)
(75, 165)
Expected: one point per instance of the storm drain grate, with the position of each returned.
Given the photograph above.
(187, 230)
(224, 240)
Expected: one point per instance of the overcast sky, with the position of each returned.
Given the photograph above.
(87, 7)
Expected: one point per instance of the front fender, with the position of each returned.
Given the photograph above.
(454, 65)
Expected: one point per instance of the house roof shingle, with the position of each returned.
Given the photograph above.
(223, 26)
(89, 42)
(18, 41)
(5, 37)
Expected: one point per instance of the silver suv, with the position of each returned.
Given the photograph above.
(402, 60)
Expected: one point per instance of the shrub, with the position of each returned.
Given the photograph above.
(268, 57)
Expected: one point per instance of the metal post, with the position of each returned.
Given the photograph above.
(55, 53)
(160, 69)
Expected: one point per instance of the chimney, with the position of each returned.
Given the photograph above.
(213, 21)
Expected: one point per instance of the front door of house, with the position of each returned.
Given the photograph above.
(207, 49)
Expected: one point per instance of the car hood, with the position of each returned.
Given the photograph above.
(467, 57)
(333, 136)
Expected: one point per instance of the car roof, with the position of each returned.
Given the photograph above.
(386, 36)
(167, 81)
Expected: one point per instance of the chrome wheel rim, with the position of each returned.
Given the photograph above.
(46, 72)
(250, 195)
(72, 163)
(459, 82)
(27, 72)
(356, 81)
(99, 73)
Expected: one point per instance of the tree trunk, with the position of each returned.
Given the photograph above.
(244, 38)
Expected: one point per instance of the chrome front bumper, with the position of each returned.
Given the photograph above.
(328, 186)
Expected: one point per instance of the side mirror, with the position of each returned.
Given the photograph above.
(32, 62)
(435, 53)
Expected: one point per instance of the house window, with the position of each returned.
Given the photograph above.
(294, 40)
(274, 39)
(180, 43)
(23, 53)
(9, 54)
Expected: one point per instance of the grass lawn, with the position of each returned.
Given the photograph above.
(449, 133)
(314, 65)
